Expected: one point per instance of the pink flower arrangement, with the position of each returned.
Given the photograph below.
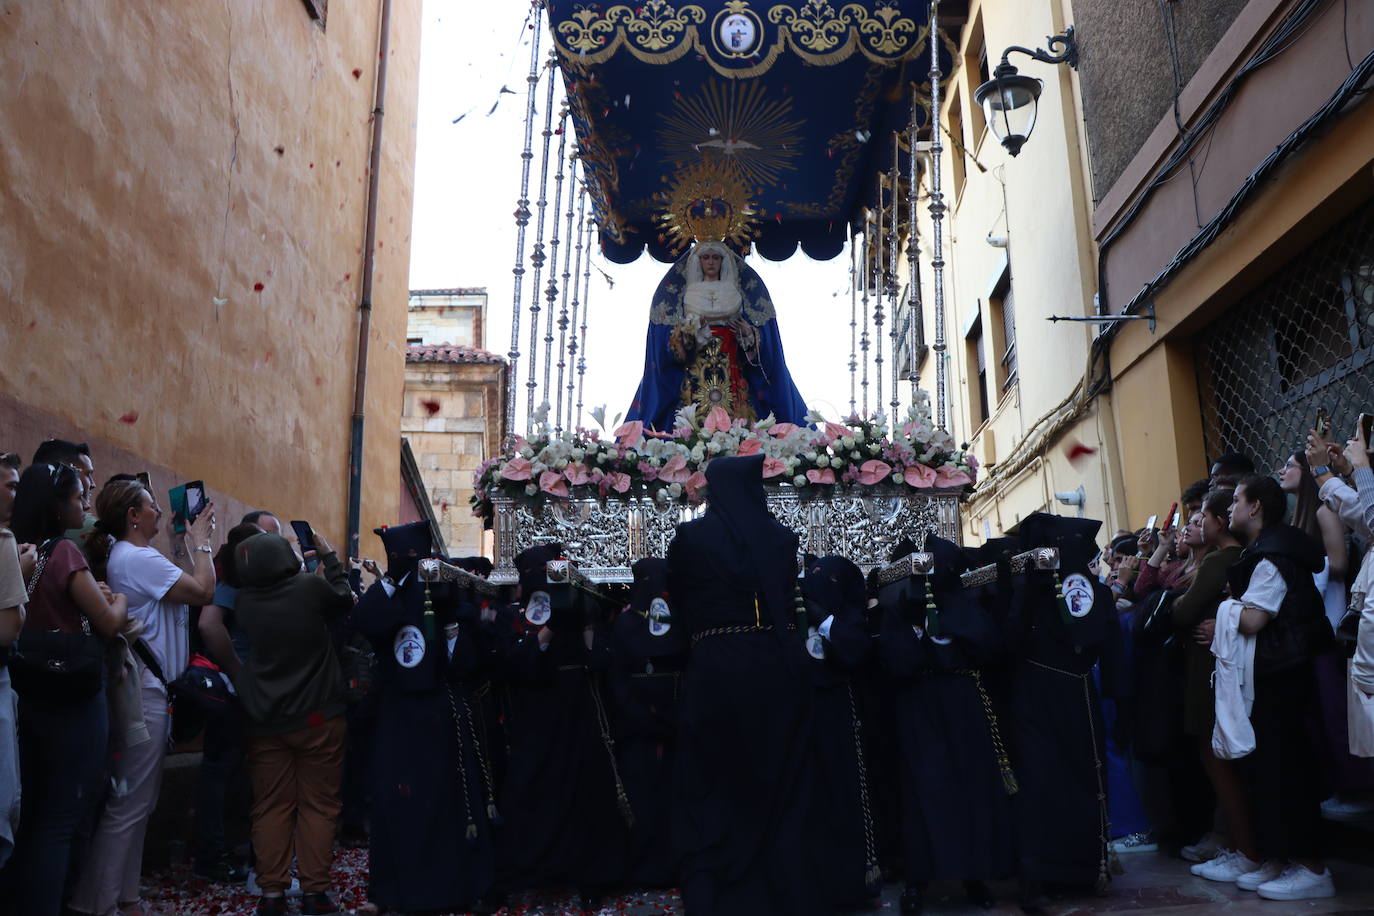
(553, 483)
(912, 455)
(517, 468)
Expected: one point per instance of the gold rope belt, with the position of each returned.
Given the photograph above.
(999, 749)
(729, 631)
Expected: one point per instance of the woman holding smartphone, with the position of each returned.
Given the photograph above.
(159, 592)
(60, 774)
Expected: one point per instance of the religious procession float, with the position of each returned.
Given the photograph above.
(716, 136)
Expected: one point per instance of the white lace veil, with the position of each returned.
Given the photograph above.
(729, 269)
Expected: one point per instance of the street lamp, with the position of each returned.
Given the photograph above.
(1009, 99)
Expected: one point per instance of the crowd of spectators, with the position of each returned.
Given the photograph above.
(1251, 698)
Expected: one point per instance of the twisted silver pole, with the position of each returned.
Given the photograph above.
(913, 248)
(563, 308)
(895, 182)
(863, 337)
(937, 217)
(551, 290)
(881, 281)
(853, 325)
(537, 257)
(586, 310)
(522, 220)
(577, 290)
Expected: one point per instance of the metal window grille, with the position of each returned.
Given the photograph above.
(1303, 339)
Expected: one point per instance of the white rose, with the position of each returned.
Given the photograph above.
(602, 458)
(675, 490)
(531, 489)
(858, 435)
(874, 448)
(799, 480)
(713, 447)
(846, 442)
(577, 454)
(822, 461)
(527, 452)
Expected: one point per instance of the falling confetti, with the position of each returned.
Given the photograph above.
(431, 407)
(257, 287)
(130, 417)
(357, 73)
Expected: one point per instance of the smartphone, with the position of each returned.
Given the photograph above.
(1172, 517)
(1367, 430)
(1323, 424)
(146, 480)
(305, 537)
(1150, 522)
(186, 502)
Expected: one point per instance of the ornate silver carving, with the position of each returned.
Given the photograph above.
(913, 564)
(1039, 558)
(606, 537)
(432, 570)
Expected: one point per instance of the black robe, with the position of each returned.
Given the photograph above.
(956, 807)
(564, 824)
(844, 838)
(741, 790)
(645, 685)
(1058, 737)
(432, 844)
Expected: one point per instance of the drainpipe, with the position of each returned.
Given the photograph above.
(355, 447)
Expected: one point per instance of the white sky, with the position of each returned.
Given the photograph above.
(468, 179)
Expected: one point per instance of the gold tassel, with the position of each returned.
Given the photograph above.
(472, 832)
(492, 815)
(623, 801)
(1009, 781)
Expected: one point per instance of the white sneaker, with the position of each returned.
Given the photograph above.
(1226, 867)
(254, 890)
(1203, 850)
(1347, 811)
(1299, 883)
(1267, 872)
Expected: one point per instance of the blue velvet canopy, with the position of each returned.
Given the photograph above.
(782, 109)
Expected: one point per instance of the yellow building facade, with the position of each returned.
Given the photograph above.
(186, 193)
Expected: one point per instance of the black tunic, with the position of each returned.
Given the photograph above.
(844, 850)
(742, 790)
(563, 822)
(1059, 750)
(432, 845)
(645, 682)
(956, 808)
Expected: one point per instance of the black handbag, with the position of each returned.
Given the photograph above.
(195, 696)
(52, 664)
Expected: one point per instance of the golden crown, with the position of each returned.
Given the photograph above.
(707, 201)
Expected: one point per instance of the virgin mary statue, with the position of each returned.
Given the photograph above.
(713, 341)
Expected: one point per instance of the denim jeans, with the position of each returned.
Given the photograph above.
(61, 747)
(221, 765)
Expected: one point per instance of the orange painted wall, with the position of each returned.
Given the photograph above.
(181, 220)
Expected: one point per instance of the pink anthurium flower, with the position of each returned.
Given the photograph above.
(821, 476)
(630, 434)
(577, 473)
(694, 485)
(748, 447)
(772, 467)
(717, 421)
(516, 469)
(834, 431)
(552, 482)
(618, 481)
(674, 470)
(873, 471)
(919, 476)
(950, 476)
(782, 430)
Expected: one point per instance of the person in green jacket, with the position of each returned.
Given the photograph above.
(293, 698)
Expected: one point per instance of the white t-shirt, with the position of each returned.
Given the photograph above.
(1266, 590)
(145, 576)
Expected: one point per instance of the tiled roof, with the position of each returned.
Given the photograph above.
(450, 353)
